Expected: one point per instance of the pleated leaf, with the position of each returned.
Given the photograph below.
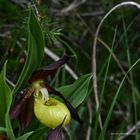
(76, 92)
(35, 51)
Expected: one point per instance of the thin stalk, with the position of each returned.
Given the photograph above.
(131, 77)
(103, 88)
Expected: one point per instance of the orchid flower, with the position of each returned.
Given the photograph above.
(36, 100)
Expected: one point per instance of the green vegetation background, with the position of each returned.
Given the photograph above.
(72, 31)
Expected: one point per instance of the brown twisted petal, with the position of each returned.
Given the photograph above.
(44, 72)
(26, 114)
(24, 108)
(16, 110)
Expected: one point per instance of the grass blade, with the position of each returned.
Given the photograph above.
(5, 103)
(25, 136)
(102, 134)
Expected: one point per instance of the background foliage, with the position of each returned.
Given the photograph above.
(69, 27)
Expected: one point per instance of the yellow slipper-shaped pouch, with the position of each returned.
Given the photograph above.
(52, 112)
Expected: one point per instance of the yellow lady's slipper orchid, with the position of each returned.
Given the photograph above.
(48, 111)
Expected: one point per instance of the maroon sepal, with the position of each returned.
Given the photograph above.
(72, 110)
(43, 73)
(56, 134)
(24, 108)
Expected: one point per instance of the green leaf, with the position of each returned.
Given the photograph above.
(9, 129)
(76, 92)
(25, 136)
(30, 64)
(5, 103)
(35, 51)
(38, 36)
(38, 134)
(2, 129)
(5, 96)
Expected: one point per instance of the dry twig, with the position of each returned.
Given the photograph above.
(89, 104)
(72, 6)
(130, 131)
